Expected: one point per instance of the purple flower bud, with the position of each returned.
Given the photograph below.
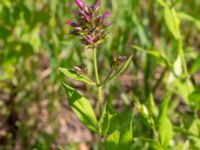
(106, 15)
(80, 4)
(90, 39)
(71, 23)
(96, 5)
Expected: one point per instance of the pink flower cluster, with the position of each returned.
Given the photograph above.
(89, 25)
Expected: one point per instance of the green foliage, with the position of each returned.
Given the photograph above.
(161, 41)
(82, 108)
(77, 76)
(122, 138)
(165, 127)
(194, 100)
(172, 22)
(195, 65)
(109, 120)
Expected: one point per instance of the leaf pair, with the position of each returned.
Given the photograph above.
(81, 77)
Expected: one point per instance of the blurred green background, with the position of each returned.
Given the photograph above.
(34, 42)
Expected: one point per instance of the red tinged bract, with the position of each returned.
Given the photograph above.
(89, 25)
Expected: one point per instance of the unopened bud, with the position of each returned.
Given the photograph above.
(96, 5)
(80, 4)
(118, 60)
(81, 70)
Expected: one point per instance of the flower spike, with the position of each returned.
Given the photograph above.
(89, 25)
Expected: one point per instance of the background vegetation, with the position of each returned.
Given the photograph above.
(164, 39)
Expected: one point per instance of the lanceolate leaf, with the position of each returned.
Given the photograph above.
(109, 120)
(82, 108)
(172, 22)
(165, 128)
(77, 76)
(151, 105)
(171, 19)
(153, 53)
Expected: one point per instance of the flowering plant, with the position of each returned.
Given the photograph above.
(90, 27)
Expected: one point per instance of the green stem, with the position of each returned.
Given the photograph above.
(99, 88)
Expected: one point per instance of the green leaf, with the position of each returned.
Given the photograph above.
(77, 76)
(195, 66)
(195, 127)
(165, 127)
(126, 133)
(112, 141)
(82, 108)
(152, 142)
(109, 120)
(152, 109)
(172, 22)
(121, 138)
(153, 53)
(194, 99)
(119, 71)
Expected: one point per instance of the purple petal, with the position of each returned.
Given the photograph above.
(96, 5)
(79, 4)
(106, 15)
